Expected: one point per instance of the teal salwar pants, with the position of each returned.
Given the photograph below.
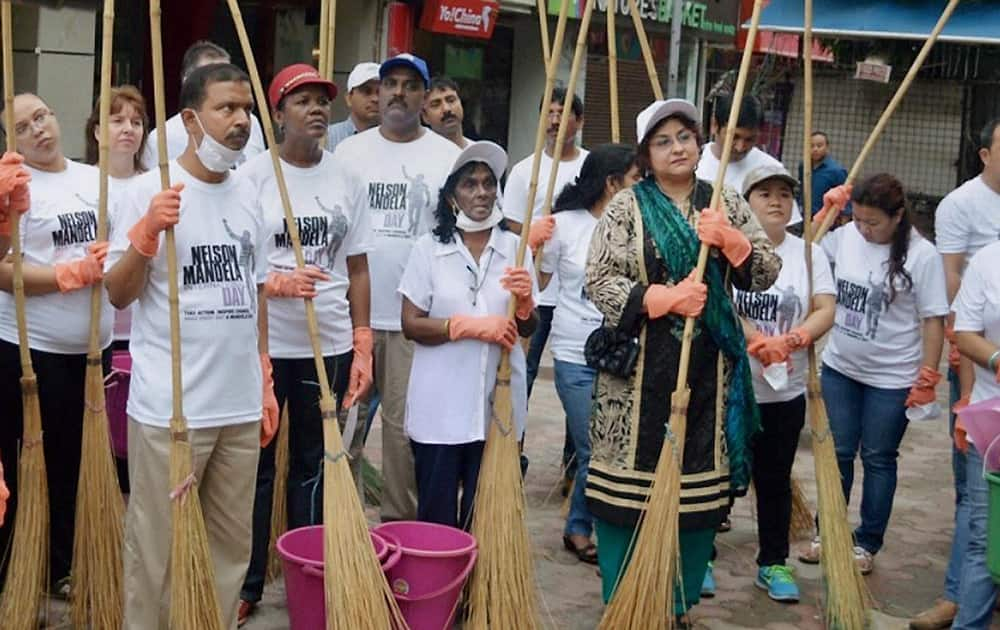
(614, 550)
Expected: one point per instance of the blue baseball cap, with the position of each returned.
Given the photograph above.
(406, 60)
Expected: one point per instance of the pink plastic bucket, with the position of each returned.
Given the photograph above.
(302, 560)
(431, 573)
(116, 400)
(982, 421)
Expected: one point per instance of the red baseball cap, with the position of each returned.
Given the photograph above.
(295, 76)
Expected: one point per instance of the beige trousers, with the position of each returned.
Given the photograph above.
(393, 357)
(225, 465)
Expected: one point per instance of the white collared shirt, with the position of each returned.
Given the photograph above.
(450, 395)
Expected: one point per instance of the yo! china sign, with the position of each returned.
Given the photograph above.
(469, 18)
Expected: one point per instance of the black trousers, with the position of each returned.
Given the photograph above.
(295, 381)
(443, 471)
(61, 382)
(773, 455)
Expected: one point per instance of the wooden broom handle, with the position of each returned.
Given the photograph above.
(331, 38)
(574, 74)
(324, 15)
(720, 178)
(177, 421)
(890, 109)
(27, 370)
(807, 125)
(104, 107)
(543, 26)
(647, 54)
(616, 124)
(312, 325)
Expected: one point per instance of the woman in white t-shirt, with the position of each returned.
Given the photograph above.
(335, 242)
(885, 348)
(455, 291)
(977, 334)
(780, 324)
(606, 170)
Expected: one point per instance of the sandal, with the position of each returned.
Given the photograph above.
(244, 612)
(587, 553)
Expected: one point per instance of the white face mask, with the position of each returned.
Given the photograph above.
(214, 155)
(464, 223)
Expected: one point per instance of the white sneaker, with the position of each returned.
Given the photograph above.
(864, 559)
(811, 554)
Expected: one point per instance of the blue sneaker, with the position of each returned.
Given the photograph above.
(708, 584)
(779, 583)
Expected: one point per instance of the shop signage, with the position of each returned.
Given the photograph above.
(469, 18)
(714, 19)
(873, 71)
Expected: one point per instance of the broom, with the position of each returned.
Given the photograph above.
(502, 592)
(193, 600)
(357, 593)
(324, 18)
(544, 28)
(647, 53)
(28, 570)
(330, 25)
(897, 98)
(279, 498)
(97, 587)
(802, 525)
(616, 126)
(644, 596)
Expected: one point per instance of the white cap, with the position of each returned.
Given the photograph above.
(658, 110)
(362, 73)
(490, 153)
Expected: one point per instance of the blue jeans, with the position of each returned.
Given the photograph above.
(959, 540)
(575, 386)
(978, 594)
(872, 420)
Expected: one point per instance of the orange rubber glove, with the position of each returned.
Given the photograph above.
(541, 231)
(686, 298)
(490, 328)
(271, 414)
(834, 200)
(715, 230)
(362, 372)
(769, 350)
(164, 212)
(298, 283)
(799, 338)
(922, 392)
(4, 495)
(14, 193)
(82, 272)
(517, 280)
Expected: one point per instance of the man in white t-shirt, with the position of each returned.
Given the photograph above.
(745, 156)
(198, 54)
(443, 111)
(228, 393)
(394, 172)
(966, 221)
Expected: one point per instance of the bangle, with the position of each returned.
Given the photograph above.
(447, 328)
(993, 361)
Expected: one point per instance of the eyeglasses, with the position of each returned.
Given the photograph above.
(37, 122)
(663, 141)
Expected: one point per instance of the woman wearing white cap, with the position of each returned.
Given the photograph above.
(335, 242)
(779, 328)
(456, 288)
(642, 255)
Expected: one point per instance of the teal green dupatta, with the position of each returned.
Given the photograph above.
(678, 245)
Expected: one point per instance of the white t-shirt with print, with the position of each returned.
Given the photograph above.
(977, 309)
(736, 172)
(515, 204)
(177, 141)
(565, 257)
(396, 184)
(59, 227)
(968, 219)
(330, 231)
(219, 242)
(873, 341)
(123, 318)
(782, 308)
(450, 395)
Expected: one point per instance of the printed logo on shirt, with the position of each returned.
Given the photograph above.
(398, 206)
(863, 305)
(774, 312)
(321, 236)
(76, 227)
(227, 267)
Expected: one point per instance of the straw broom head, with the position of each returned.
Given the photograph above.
(279, 500)
(644, 595)
(28, 569)
(801, 526)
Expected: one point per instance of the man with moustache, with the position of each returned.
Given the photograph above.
(228, 392)
(443, 111)
(362, 103)
(394, 172)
